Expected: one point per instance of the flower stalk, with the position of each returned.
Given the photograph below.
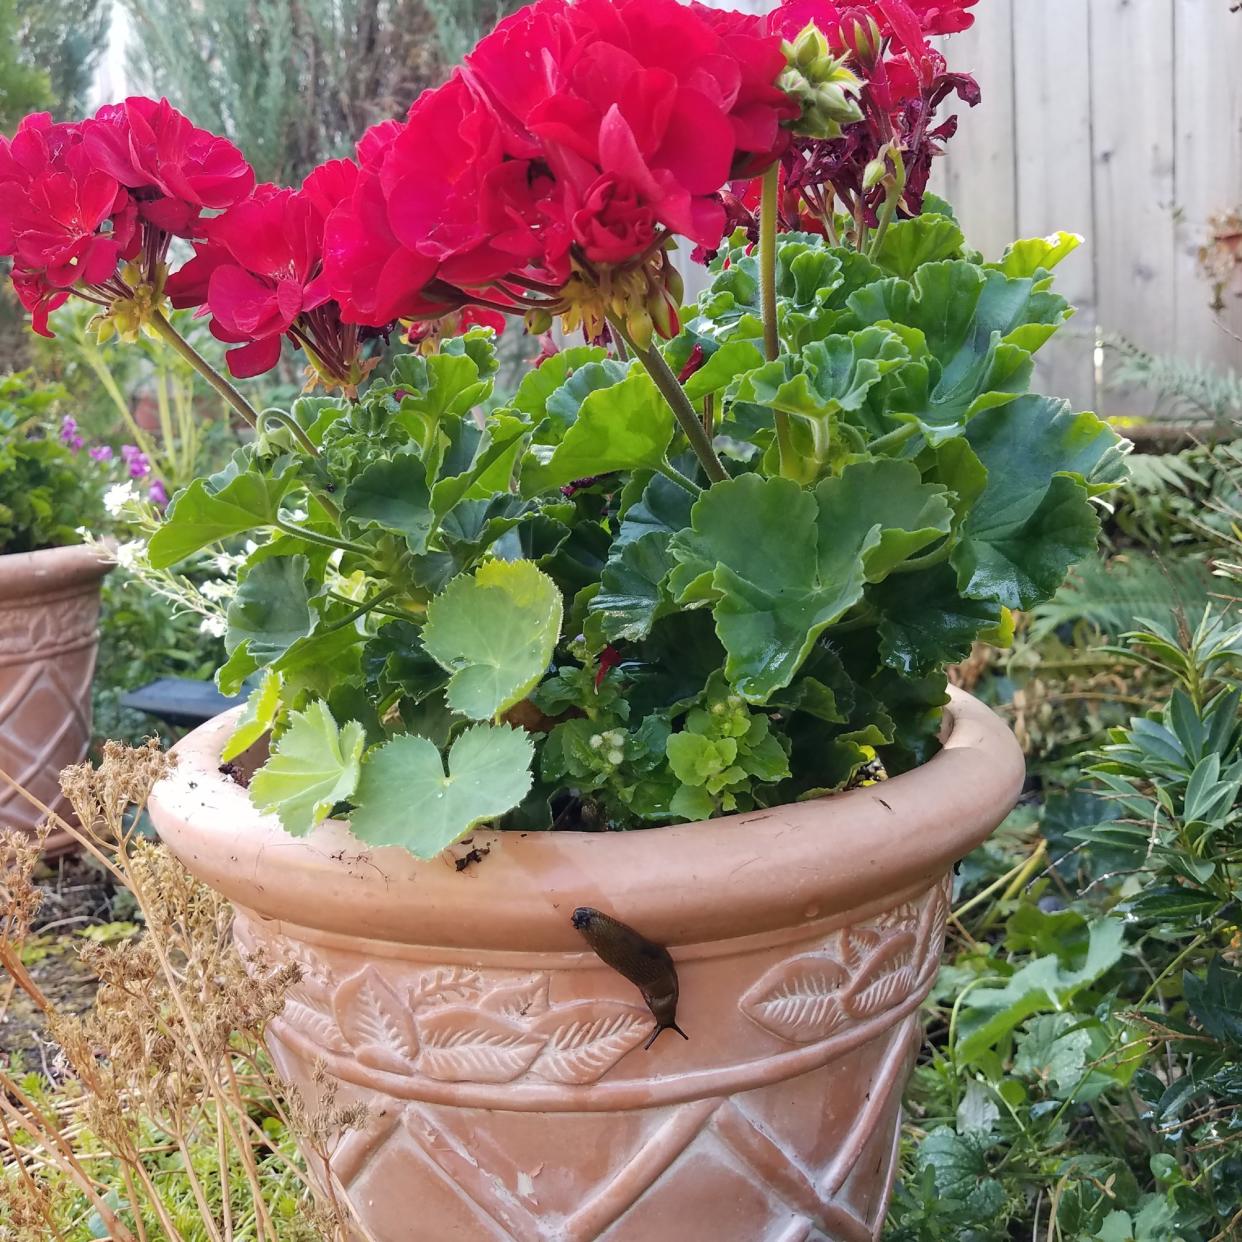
(768, 212)
(166, 332)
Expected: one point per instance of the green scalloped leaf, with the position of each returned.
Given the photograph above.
(1033, 255)
(780, 565)
(270, 612)
(392, 494)
(495, 632)
(312, 767)
(909, 244)
(406, 798)
(199, 516)
(627, 426)
(256, 721)
(1034, 519)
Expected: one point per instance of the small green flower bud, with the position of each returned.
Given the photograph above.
(616, 758)
(538, 322)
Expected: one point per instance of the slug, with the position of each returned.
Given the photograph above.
(647, 966)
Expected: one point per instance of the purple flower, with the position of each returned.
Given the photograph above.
(136, 460)
(101, 452)
(69, 433)
(157, 494)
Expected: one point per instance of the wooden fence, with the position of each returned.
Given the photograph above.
(1120, 120)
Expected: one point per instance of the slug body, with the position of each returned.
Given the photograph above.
(646, 965)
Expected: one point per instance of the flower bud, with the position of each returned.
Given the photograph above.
(821, 85)
(862, 36)
(875, 172)
(538, 322)
(663, 312)
(640, 326)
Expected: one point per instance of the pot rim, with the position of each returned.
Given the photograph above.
(71, 567)
(684, 884)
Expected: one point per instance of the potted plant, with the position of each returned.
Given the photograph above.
(613, 706)
(49, 602)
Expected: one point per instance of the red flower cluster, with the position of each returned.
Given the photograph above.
(578, 137)
(77, 200)
(259, 273)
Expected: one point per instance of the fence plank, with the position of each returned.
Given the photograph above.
(977, 174)
(1208, 83)
(1132, 68)
(1052, 88)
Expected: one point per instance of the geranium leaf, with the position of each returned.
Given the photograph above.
(392, 494)
(494, 632)
(828, 376)
(909, 244)
(269, 613)
(258, 717)
(539, 384)
(780, 565)
(630, 599)
(436, 386)
(489, 473)
(722, 368)
(199, 516)
(312, 767)
(1033, 255)
(1034, 519)
(926, 622)
(406, 798)
(625, 427)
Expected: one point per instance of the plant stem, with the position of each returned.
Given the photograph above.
(771, 332)
(896, 188)
(894, 439)
(167, 332)
(679, 403)
(290, 423)
(362, 610)
(674, 475)
(326, 541)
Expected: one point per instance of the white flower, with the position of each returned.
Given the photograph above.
(119, 495)
(217, 627)
(216, 590)
(130, 555)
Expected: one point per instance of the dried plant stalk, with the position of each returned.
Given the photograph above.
(161, 1118)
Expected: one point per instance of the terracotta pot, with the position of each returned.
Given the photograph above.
(49, 617)
(502, 1063)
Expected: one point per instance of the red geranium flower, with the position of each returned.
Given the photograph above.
(173, 168)
(65, 223)
(259, 273)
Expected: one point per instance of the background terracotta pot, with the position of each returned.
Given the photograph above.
(502, 1062)
(49, 617)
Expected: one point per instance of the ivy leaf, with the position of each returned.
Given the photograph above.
(258, 718)
(495, 633)
(269, 613)
(960, 1166)
(392, 494)
(909, 244)
(1034, 519)
(199, 516)
(406, 798)
(780, 565)
(312, 767)
(625, 427)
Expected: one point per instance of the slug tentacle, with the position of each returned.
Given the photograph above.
(649, 967)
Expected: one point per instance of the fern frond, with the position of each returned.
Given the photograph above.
(1111, 595)
(1186, 391)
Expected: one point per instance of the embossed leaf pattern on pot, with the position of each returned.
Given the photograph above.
(524, 998)
(586, 1040)
(451, 985)
(799, 1000)
(376, 1022)
(885, 977)
(317, 1025)
(463, 1044)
